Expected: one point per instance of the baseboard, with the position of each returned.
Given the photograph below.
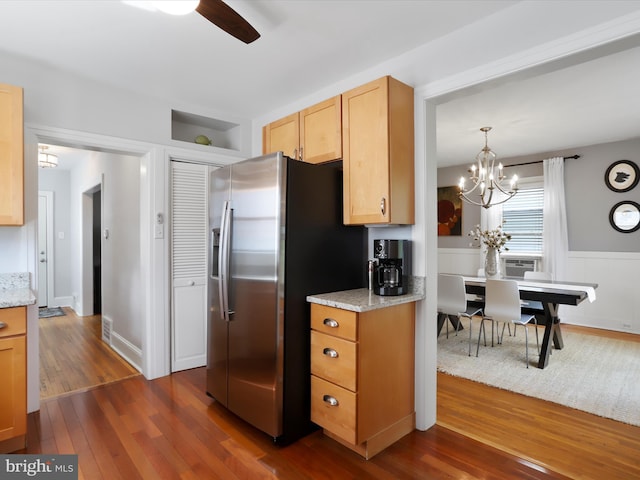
(128, 351)
(63, 302)
(381, 440)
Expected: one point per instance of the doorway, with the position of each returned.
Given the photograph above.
(82, 249)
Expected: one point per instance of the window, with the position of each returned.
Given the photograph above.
(522, 217)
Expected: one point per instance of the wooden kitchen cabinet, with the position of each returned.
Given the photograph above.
(378, 153)
(313, 135)
(13, 378)
(362, 375)
(11, 156)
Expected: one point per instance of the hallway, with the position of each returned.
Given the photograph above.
(73, 356)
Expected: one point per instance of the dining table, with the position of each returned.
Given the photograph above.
(541, 298)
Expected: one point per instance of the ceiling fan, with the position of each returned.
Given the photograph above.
(216, 11)
(225, 17)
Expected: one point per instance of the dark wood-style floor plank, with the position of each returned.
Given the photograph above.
(169, 428)
(186, 434)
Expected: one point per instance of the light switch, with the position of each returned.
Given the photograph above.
(61, 235)
(158, 231)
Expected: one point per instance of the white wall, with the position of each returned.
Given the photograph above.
(55, 98)
(118, 178)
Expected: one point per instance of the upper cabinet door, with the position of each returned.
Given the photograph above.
(321, 131)
(378, 153)
(283, 135)
(11, 156)
(313, 135)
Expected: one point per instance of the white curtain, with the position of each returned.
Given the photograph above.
(555, 239)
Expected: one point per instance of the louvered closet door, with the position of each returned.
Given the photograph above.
(189, 187)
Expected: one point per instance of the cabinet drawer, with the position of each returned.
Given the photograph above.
(340, 418)
(15, 321)
(334, 321)
(334, 359)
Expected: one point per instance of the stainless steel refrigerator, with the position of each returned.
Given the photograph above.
(276, 236)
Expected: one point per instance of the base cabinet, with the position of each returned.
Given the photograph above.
(13, 378)
(362, 375)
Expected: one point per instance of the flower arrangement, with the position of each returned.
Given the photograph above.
(496, 238)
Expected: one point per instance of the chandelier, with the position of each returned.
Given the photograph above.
(46, 160)
(487, 178)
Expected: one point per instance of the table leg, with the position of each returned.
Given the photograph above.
(552, 331)
(557, 331)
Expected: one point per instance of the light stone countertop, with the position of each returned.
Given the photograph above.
(363, 300)
(15, 290)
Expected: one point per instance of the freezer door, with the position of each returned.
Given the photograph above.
(217, 346)
(255, 298)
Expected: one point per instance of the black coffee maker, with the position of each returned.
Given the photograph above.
(393, 266)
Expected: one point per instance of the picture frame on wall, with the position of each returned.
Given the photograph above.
(449, 212)
(625, 216)
(622, 176)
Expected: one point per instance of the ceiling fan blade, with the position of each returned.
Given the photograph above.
(225, 17)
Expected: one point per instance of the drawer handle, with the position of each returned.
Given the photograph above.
(333, 401)
(330, 352)
(330, 322)
(3, 325)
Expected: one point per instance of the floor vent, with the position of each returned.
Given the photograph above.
(106, 330)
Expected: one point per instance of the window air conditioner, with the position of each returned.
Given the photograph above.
(514, 267)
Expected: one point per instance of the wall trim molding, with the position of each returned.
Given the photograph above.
(127, 350)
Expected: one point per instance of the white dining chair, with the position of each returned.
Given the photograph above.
(452, 300)
(502, 304)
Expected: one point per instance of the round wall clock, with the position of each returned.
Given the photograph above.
(622, 176)
(625, 216)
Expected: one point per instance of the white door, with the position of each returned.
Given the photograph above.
(42, 251)
(189, 198)
(45, 249)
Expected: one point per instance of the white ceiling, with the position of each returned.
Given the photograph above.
(309, 44)
(586, 104)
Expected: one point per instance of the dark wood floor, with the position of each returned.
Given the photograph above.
(169, 428)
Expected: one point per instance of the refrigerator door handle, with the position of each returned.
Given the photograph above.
(223, 262)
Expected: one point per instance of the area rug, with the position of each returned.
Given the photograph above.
(591, 373)
(50, 312)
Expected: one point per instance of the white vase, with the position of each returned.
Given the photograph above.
(492, 263)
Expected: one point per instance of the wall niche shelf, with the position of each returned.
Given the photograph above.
(185, 127)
